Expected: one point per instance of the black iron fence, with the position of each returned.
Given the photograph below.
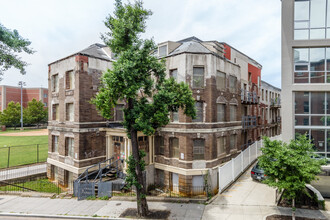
(11, 156)
(29, 185)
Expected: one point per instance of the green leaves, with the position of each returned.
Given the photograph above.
(35, 113)
(10, 43)
(289, 166)
(11, 116)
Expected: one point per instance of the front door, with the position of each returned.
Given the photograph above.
(118, 147)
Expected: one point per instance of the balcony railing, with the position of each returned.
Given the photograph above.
(249, 97)
(275, 102)
(249, 121)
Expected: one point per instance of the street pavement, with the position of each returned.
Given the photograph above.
(10, 205)
(250, 200)
(22, 172)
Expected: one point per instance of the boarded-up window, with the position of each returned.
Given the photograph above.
(221, 110)
(221, 145)
(175, 117)
(174, 147)
(54, 81)
(233, 110)
(69, 79)
(163, 51)
(159, 142)
(69, 112)
(69, 145)
(55, 143)
(221, 80)
(198, 149)
(198, 77)
(199, 112)
(56, 112)
(119, 113)
(232, 84)
(174, 74)
(232, 142)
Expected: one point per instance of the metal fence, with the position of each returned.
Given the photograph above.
(23, 155)
(23, 172)
(229, 172)
(29, 185)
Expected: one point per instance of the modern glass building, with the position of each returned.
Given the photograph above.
(306, 71)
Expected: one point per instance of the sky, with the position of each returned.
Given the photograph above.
(58, 28)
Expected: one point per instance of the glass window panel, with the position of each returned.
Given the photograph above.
(301, 34)
(301, 10)
(232, 142)
(328, 142)
(301, 77)
(174, 147)
(327, 120)
(198, 149)
(301, 132)
(301, 103)
(301, 67)
(317, 137)
(317, 18)
(301, 24)
(302, 120)
(317, 59)
(221, 145)
(328, 29)
(328, 101)
(328, 57)
(317, 102)
(328, 77)
(317, 34)
(318, 120)
(301, 55)
(317, 77)
(328, 16)
(175, 116)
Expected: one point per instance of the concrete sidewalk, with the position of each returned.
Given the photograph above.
(14, 205)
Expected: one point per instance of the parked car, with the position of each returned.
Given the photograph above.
(257, 173)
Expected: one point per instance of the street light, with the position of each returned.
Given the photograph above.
(21, 83)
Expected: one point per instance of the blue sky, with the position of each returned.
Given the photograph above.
(58, 28)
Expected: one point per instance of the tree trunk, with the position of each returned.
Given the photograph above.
(142, 206)
(293, 210)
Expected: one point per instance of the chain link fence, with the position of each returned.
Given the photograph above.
(13, 156)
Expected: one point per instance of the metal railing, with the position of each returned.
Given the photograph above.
(26, 185)
(249, 121)
(249, 97)
(11, 156)
(275, 102)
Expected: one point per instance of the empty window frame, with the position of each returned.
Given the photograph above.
(198, 149)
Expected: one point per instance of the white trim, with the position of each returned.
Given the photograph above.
(212, 130)
(76, 160)
(70, 168)
(182, 171)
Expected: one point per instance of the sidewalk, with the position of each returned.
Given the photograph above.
(14, 205)
(22, 172)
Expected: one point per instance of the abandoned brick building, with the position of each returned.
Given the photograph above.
(226, 86)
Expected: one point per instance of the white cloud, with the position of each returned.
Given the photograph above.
(58, 28)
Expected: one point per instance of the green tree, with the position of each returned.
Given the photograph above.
(10, 44)
(290, 167)
(11, 116)
(138, 79)
(35, 113)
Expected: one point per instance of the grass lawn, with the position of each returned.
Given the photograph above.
(24, 150)
(41, 185)
(11, 130)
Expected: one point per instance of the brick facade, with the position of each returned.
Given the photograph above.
(12, 93)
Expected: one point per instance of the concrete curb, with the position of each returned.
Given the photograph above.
(57, 216)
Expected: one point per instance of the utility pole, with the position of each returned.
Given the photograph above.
(21, 83)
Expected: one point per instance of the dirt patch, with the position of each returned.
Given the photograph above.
(302, 201)
(286, 217)
(28, 133)
(153, 214)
